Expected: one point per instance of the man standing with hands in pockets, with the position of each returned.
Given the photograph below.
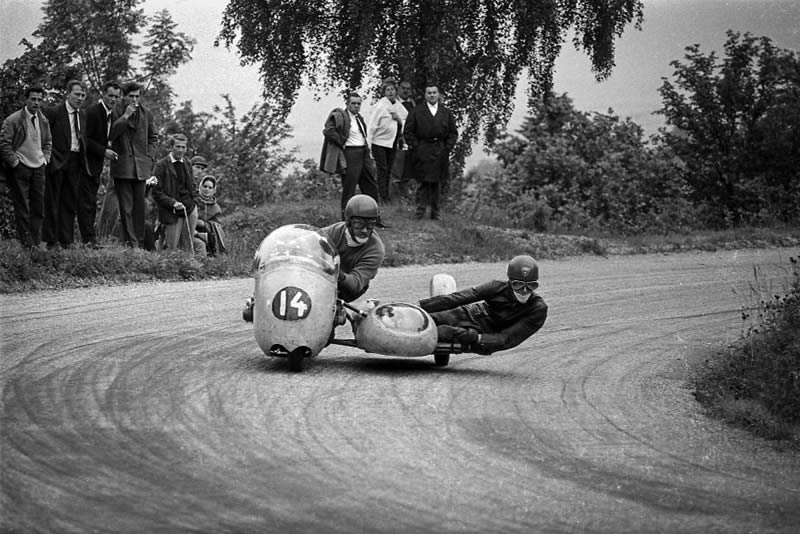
(98, 149)
(133, 138)
(430, 131)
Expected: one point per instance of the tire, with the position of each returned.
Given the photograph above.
(441, 359)
(296, 358)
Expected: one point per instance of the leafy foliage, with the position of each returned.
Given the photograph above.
(308, 182)
(93, 36)
(736, 125)
(166, 49)
(580, 171)
(247, 155)
(756, 383)
(469, 47)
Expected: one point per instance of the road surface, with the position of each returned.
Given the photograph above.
(150, 408)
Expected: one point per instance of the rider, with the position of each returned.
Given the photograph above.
(361, 251)
(493, 316)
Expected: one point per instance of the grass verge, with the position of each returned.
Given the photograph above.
(755, 383)
(454, 239)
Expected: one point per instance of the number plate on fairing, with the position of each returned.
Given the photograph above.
(291, 304)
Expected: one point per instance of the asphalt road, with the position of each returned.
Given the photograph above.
(150, 408)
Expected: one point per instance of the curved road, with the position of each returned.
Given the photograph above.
(149, 408)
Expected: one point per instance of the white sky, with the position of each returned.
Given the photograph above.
(642, 57)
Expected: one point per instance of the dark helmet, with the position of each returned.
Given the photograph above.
(523, 268)
(363, 207)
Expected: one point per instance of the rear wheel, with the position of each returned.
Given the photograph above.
(441, 359)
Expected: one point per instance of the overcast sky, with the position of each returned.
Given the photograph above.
(642, 57)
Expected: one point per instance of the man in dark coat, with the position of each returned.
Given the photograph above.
(431, 133)
(98, 126)
(176, 196)
(67, 163)
(401, 169)
(133, 137)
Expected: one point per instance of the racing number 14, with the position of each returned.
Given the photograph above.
(291, 304)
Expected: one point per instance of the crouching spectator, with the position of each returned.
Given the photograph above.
(209, 228)
(176, 198)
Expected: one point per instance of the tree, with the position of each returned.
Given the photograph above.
(165, 50)
(475, 50)
(247, 155)
(583, 170)
(736, 125)
(92, 40)
(90, 37)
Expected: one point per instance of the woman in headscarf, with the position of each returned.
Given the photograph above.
(209, 227)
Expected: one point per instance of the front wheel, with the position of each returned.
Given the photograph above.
(295, 361)
(441, 359)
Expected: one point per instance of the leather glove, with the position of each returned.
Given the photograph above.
(468, 338)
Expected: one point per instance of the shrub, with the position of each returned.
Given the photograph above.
(757, 382)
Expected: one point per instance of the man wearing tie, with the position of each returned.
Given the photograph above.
(345, 151)
(68, 161)
(98, 149)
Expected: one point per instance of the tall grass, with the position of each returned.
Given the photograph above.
(756, 383)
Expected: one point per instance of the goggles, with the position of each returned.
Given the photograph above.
(519, 285)
(363, 224)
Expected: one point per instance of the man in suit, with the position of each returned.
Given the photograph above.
(176, 196)
(25, 147)
(68, 128)
(431, 133)
(98, 126)
(400, 169)
(345, 151)
(133, 138)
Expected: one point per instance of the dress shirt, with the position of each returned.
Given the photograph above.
(357, 135)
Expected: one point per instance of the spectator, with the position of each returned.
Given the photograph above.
(400, 174)
(133, 138)
(25, 148)
(199, 168)
(385, 132)
(431, 133)
(345, 151)
(67, 164)
(98, 127)
(209, 227)
(176, 197)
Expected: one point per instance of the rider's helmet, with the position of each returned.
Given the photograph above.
(361, 216)
(524, 269)
(362, 207)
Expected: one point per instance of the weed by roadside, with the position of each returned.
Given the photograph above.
(755, 384)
